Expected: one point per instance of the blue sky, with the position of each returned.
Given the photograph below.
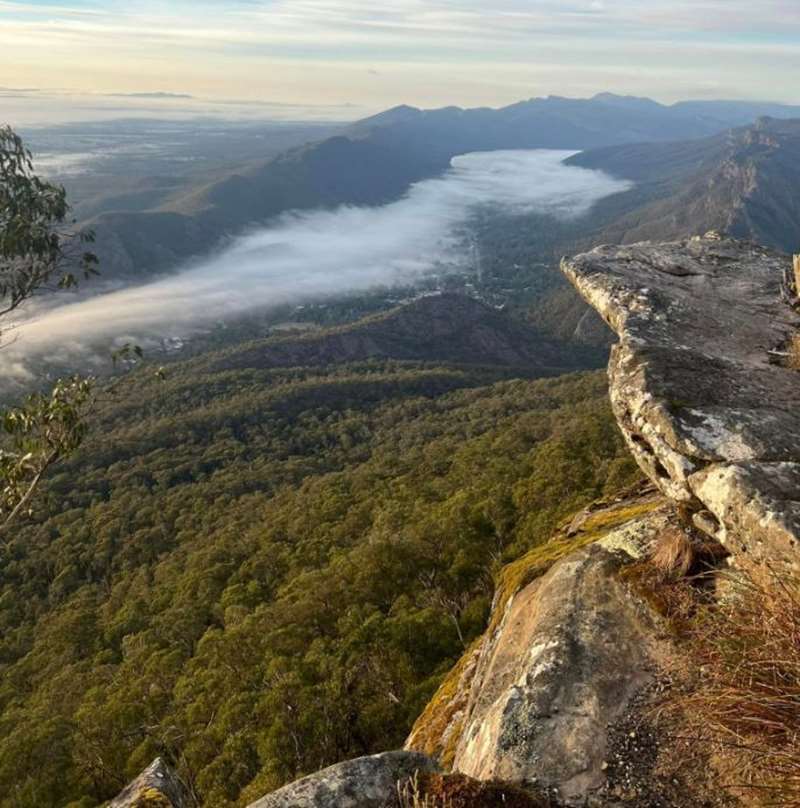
(337, 56)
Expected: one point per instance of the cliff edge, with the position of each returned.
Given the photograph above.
(553, 705)
(703, 388)
(700, 384)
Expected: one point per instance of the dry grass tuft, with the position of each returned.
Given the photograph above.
(460, 791)
(674, 553)
(746, 701)
(410, 795)
(794, 352)
(675, 599)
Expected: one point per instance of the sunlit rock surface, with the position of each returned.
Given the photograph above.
(368, 782)
(699, 382)
(569, 648)
(156, 787)
(571, 652)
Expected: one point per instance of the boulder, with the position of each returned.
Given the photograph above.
(573, 650)
(709, 409)
(367, 782)
(569, 649)
(158, 786)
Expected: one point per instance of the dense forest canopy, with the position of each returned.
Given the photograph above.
(254, 570)
(260, 572)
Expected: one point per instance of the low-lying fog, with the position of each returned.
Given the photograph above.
(311, 255)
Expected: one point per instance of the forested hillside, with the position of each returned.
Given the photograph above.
(743, 183)
(258, 572)
(436, 328)
(377, 159)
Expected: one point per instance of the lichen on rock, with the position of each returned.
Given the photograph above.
(568, 648)
(573, 649)
(158, 786)
(707, 409)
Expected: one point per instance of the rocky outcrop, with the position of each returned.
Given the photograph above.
(553, 704)
(698, 385)
(158, 786)
(572, 651)
(368, 782)
(569, 648)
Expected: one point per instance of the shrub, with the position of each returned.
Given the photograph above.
(460, 791)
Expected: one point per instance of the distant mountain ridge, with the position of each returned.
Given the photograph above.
(377, 159)
(584, 123)
(745, 182)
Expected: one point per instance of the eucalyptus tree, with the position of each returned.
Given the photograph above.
(40, 251)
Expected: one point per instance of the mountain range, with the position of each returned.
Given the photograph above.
(743, 182)
(271, 557)
(376, 160)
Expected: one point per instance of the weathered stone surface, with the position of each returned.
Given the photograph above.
(707, 411)
(368, 782)
(572, 650)
(156, 787)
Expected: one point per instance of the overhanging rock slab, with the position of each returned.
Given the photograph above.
(708, 408)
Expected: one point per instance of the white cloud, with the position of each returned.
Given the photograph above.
(315, 255)
(311, 50)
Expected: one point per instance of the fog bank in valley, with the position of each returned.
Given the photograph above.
(313, 255)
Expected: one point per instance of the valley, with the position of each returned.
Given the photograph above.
(343, 502)
(426, 241)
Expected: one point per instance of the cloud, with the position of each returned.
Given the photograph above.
(452, 51)
(45, 107)
(311, 256)
(157, 95)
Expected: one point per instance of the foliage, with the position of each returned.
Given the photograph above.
(45, 429)
(256, 573)
(35, 247)
(36, 253)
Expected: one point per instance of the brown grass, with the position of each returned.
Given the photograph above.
(410, 795)
(675, 599)
(460, 791)
(746, 700)
(794, 352)
(673, 554)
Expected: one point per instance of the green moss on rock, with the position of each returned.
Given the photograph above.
(437, 731)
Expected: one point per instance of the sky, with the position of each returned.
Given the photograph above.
(339, 59)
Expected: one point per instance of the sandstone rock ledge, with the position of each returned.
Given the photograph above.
(367, 782)
(569, 649)
(709, 411)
